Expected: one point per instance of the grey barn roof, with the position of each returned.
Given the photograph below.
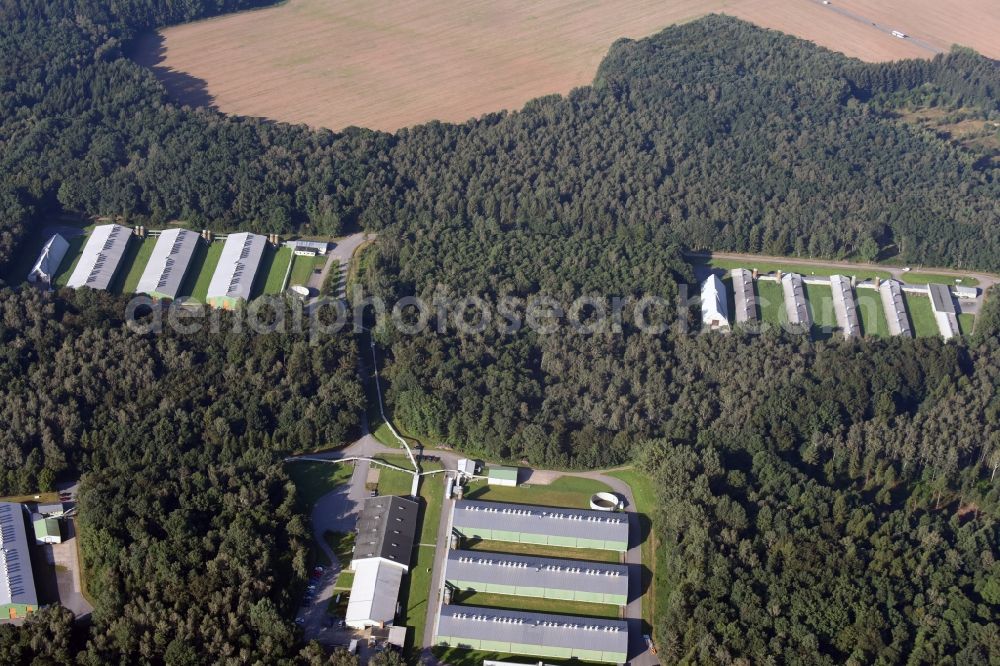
(17, 585)
(845, 307)
(743, 294)
(895, 309)
(555, 574)
(387, 528)
(941, 298)
(795, 299)
(524, 518)
(233, 277)
(168, 263)
(101, 256)
(561, 631)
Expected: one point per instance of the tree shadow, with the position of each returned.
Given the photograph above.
(150, 51)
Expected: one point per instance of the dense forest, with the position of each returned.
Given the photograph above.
(820, 501)
(189, 532)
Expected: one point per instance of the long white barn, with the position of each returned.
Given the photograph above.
(102, 255)
(232, 281)
(168, 263)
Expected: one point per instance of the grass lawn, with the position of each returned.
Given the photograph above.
(770, 303)
(69, 261)
(344, 581)
(394, 482)
(45, 498)
(133, 264)
(463, 657)
(533, 604)
(966, 323)
(417, 590)
(588, 554)
(921, 315)
(566, 491)
(871, 313)
(924, 278)
(654, 597)
(764, 267)
(199, 275)
(313, 480)
(303, 267)
(820, 300)
(272, 270)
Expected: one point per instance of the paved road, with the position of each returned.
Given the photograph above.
(888, 29)
(340, 256)
(337, 512)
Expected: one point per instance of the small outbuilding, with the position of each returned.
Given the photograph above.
(503, 476)
(46, 529)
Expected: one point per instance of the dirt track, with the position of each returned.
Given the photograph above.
(388, 64)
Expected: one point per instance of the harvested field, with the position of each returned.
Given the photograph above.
(388, 64)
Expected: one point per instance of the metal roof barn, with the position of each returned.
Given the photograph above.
(944, 310)
(232, 281)
(845, 307)
(795, 300)
(373, 593)
(528, 576)
(168, 263)
(543, 525)
(102, 255)
(48, 261)
(537, 634)
(714, 308)
(17, 585)
(386, 529)
(895, 308)
(743, 294)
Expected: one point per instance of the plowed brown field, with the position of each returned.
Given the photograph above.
(387, 64)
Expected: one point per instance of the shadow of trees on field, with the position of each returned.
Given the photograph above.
(150, 51)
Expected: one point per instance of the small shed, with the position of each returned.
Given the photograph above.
(467, 467)
(371, 481)
(55, 510)
(397, 636)
(503, 476)
(46, 529)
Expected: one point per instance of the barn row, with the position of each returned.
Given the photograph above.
(103, 257)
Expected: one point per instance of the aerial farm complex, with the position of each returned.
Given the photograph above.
(535, 634)
(839, 303)
(169, 264)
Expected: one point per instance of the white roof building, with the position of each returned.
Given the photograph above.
(234, 275)
(714, 308)
(308, 247)
(101, 257)
(168, 263)
(49, 258)
(373, 593)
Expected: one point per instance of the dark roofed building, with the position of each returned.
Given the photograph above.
(387, 528)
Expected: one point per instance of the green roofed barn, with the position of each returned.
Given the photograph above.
(503, 476)
(542, 525)
(535, 634)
